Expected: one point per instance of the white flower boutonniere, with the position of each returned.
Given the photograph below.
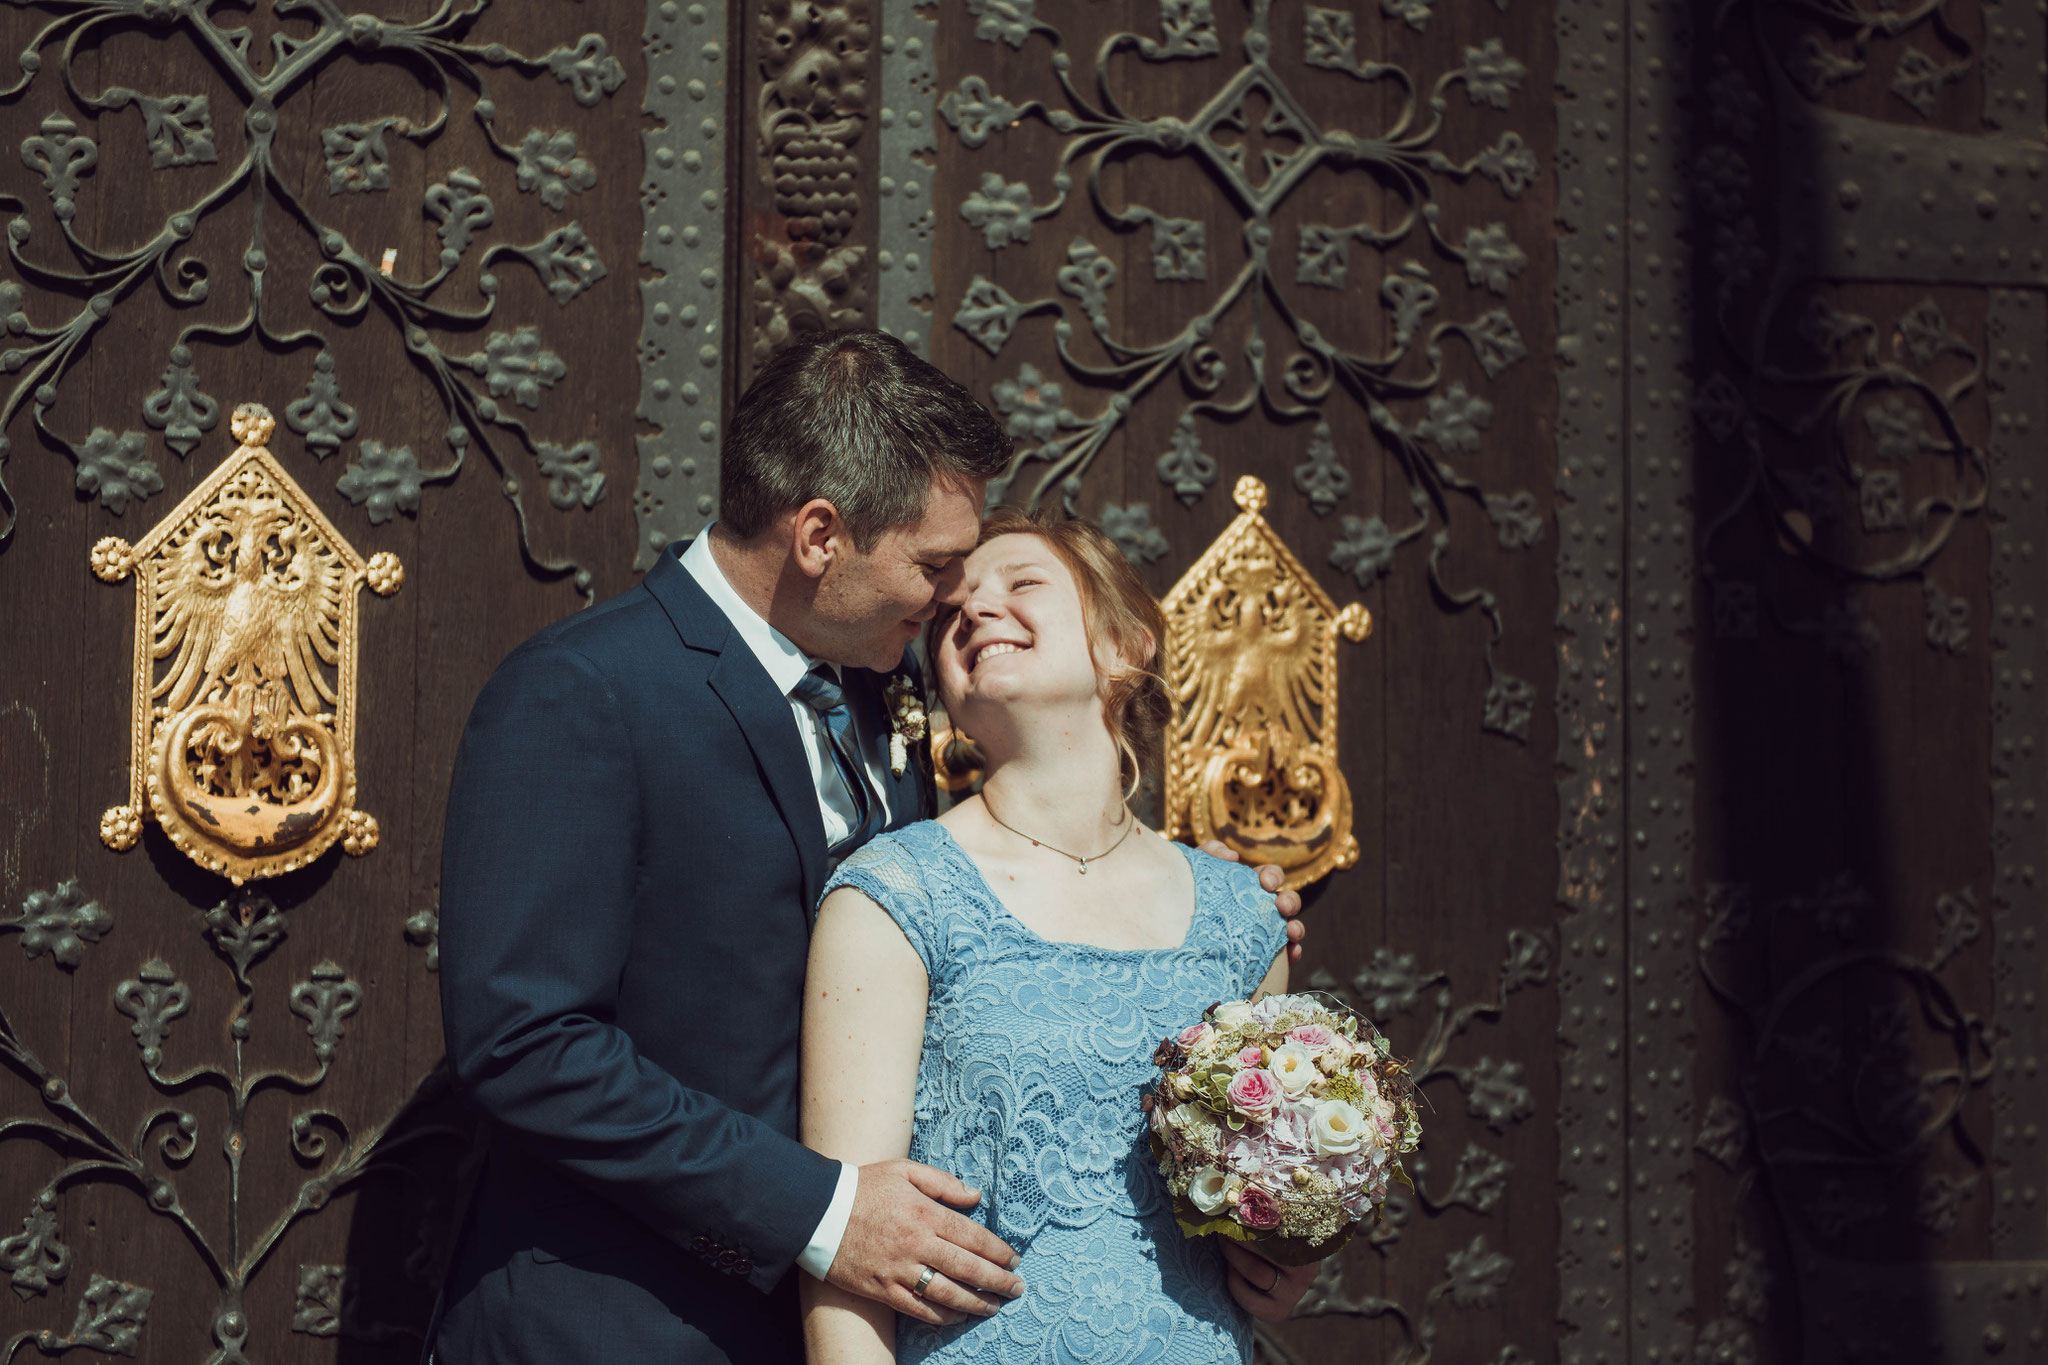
(907, 720)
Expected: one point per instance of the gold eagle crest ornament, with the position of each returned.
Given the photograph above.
(1251, 658)
(245, 670)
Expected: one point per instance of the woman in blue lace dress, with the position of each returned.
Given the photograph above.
(987, 989)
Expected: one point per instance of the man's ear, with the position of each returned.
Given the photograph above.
(817, 537)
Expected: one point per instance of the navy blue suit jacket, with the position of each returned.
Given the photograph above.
(633, 853)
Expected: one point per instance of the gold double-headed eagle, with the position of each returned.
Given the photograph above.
(245, 670)
(1251, 658)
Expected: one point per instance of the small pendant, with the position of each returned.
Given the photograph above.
(1084, 867)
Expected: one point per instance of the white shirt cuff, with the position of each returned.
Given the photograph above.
(817, 1257)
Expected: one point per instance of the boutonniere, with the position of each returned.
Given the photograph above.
(907, 720)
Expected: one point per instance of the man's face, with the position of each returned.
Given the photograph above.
(870, 606)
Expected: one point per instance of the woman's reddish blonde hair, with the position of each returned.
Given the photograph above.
(1119, 612)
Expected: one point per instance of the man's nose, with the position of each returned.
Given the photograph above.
(951, 589)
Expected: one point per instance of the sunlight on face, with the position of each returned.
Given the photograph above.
(871, 605)
(1018, 636)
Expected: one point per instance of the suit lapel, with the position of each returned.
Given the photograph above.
(759, 710)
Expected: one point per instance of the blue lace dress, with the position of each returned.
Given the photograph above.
(1035, 1056)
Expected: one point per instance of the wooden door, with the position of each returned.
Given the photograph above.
(1179, 244)
(414, 242)
(1662, 377)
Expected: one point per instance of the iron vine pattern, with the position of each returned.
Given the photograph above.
(111, 1314)
(1292, 377)
(1882, 397)
(1866, 1117)
(1889, 403)
(1490, 1091)
(515, 367)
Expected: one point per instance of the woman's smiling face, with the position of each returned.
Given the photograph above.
(1020, 633)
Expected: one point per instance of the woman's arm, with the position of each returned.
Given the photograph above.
(864, 1007)
(1275, 980)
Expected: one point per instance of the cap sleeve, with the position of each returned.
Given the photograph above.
(886, 871)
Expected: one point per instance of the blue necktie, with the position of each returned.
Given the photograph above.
(820, 691)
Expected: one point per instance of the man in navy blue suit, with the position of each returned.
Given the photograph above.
(647, 799)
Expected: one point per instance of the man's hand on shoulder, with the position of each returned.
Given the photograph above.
(1288, 903)
(899, 1226)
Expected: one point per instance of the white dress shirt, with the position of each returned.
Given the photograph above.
(786, 665)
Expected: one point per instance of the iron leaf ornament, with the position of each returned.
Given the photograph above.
(183, 130)
(1255, 139)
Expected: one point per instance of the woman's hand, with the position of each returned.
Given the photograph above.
(1266, 1291)
(1288, 903)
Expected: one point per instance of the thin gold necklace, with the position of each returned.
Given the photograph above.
(1130, 823)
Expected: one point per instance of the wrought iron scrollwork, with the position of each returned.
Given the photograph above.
(1391, 985)
(1872, 1107)
(181, 130)
(111, 1314)
(1294, 379)
(1880, 399)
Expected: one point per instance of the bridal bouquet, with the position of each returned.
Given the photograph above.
(1280, 1123)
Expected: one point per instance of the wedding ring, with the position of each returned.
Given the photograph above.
(1276, 1280)
(924, 1281)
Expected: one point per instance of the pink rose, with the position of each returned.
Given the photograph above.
(1254, 1093)
(1251, 1056)
(1194, 1033)
(1257, 1209)
(1312, 1035)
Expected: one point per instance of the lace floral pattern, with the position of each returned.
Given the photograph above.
(1035, 1055)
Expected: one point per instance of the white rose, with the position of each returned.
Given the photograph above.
(1294, 1066)
(1184, 1116)
(1235, 1014)
(1206, 1189)
(1337, 1128)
